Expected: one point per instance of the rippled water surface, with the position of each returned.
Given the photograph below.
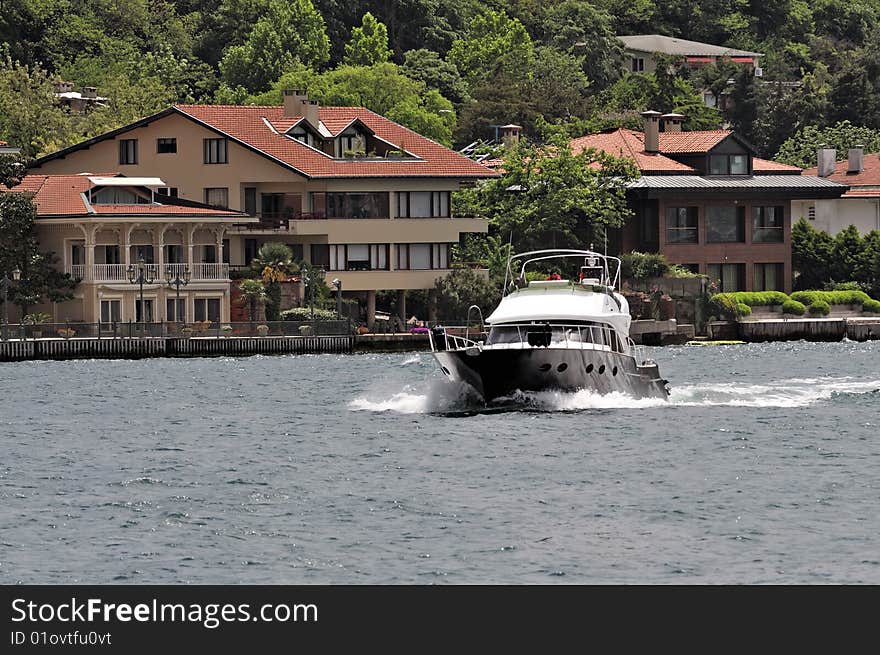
(764, 467)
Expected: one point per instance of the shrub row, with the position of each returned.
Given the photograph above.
(817, 303)
(305, 314)
(832, 297)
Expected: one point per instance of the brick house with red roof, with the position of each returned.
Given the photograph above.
(705, 201)
(348, 190)
(860, 206)
(99, 225)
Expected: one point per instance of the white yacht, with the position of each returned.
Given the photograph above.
(566, 334)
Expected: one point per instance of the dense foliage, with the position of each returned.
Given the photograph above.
(820, 260)
(489, 62)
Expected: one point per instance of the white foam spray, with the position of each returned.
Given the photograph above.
(442, 396)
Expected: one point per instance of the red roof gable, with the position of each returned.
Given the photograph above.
(631, 144)
(62, 195)
(247, 124)
(869, 175)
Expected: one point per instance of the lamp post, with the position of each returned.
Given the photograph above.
(173, 280)
(141, 275)
(5, 283)
(337, 283)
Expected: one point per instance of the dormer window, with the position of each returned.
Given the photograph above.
(303, 136)
(116, 196)
(728, 164)
(350, 142)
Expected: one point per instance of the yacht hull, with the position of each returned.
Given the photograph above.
(497, 373)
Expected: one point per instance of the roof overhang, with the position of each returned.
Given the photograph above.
(757, 186)
(149, 182)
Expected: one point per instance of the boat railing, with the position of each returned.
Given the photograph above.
(532, 335)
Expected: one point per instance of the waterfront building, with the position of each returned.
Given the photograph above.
(860, 206)
(705, 201)
(99, 225)
(347, 189)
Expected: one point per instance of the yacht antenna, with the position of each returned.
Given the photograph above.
(509, 257)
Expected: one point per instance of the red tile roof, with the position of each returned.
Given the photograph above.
(768, 166)
(862, 193)
(631, 144)
(869, 175)
(62, 195)
(246, 124)
(682, 143)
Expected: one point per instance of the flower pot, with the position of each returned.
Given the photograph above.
(263, 330)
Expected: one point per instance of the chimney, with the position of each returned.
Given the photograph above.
(310, 111)
(827, 160)
(672, 122)
(89, 92)
(510, 134)
(293, 100)
(652, 130)
(856, 159)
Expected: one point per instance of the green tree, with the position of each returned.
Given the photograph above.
(800, 149)
(290, 31)
(494, 43)
(848, 256)
(40, 279)
(273, 262)
(427, 66)
(810, 256)
(368, 44)
(456, 292)
(29, 117)
(552, 197)
(253, 294)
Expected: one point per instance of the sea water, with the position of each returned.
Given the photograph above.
(762, 467)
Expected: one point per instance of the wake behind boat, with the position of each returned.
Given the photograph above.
(565, 334)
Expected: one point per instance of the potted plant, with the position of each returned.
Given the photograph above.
(305, 330)
(227, 330)
(186, 332)
(263, 329)
(66, 332)
(35, 319)
(363, 329)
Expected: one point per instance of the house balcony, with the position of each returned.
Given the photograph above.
(117, 272)
(385, 279)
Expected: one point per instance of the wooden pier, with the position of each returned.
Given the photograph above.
(61, 349)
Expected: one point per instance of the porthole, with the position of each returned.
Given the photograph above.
(589, 368)
(544, 368)
(614, 371)
(601, 369)
(445, 370)
(562, 367)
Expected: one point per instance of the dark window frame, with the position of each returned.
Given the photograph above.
(759, 224)
(166, 145)
(740, 228)
(691, 215)
(216, 150)
(128, 152)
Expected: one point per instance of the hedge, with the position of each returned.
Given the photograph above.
(831, 297)
(793, 307)
(820, 307)
(871, 305)
(305, 314)
(755, 298)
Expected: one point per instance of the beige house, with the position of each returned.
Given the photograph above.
(348, 190)
(860, 206)
(98, 226)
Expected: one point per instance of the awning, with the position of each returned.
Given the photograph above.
(700, 60)
(743, 60)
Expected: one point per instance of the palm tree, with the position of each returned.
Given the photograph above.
(273, 262)
(252, 292)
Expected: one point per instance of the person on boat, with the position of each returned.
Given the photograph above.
(554, 276)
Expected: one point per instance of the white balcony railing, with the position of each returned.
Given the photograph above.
(118, 272)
